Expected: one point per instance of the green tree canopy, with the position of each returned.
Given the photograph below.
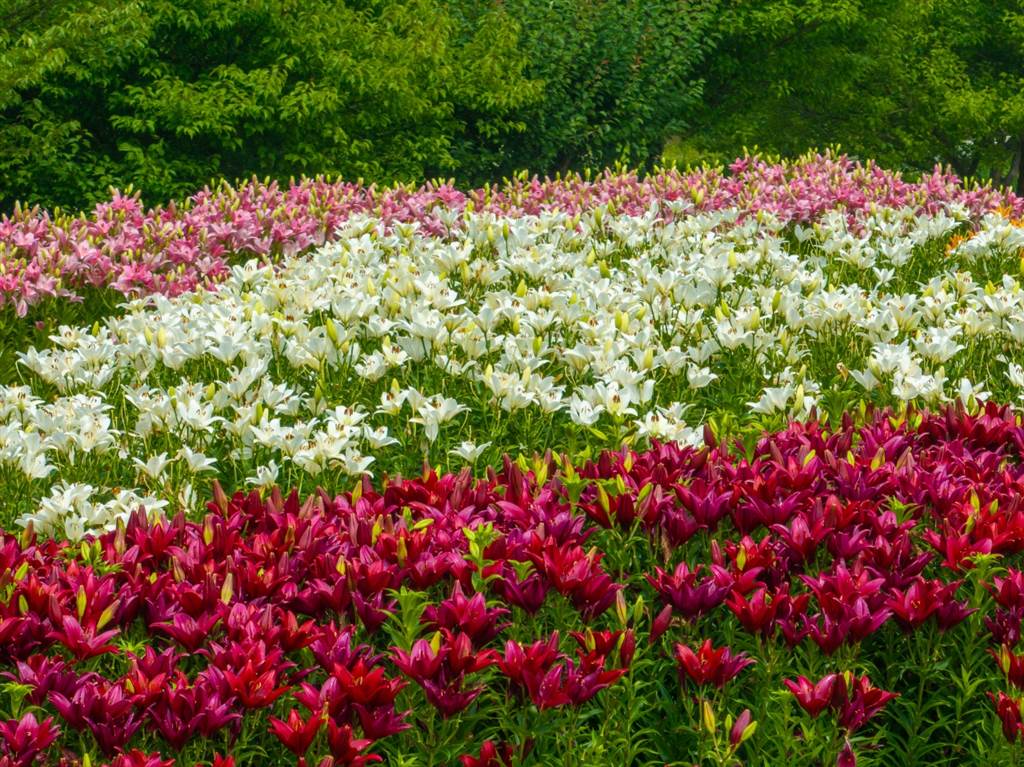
(168, 94)
(619, 77)
(907, 82)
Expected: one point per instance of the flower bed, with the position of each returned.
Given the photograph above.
(387, 349)
(173, 249)
(833, 596)
(778, 519)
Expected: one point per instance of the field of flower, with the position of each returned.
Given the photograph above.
(705, 468)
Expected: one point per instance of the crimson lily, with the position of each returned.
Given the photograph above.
(708, 665)
(491, 755)
(296, 734)
(22, 740)
(1009, 711)
(815, 697)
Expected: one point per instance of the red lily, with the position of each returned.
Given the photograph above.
(345, 749)
(22, 740)
(864, 701)
(815, 697)
(297, 734)
(846, 757)
(255, 688)
(136, 758)
(923, 599)
(491, 755)
(708, 665)
(742, 728)
(441, 671)
(470, 615)
(1009, 712)
(689, 596)
(83, 642)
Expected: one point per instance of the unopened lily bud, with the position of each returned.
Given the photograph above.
(661, 623)
(227, 591)
(648, 361)
(742, 729)
(638, 610)
(708, 716)
(621, 611)
(627, 648)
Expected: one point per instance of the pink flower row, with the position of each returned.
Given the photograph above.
(173, 249)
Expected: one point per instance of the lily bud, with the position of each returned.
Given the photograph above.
(742, 729)
(660, 623)
(708, 716)
(621, 611)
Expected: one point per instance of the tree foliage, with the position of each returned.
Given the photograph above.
(170, 94)
(619, 77)
(908, 82)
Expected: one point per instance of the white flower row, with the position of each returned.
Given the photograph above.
(400, 344)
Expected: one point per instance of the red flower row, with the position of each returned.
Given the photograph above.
(300, 609)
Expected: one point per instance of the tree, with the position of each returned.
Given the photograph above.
(789, 74)
(169, 94)
(54, 54)
(910, 83)
(618, 79)
(968, 80)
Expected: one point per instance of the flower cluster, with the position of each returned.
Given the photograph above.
(391, 347)
(323, 621)
(788, 475)
(173, 249)
(269, 605)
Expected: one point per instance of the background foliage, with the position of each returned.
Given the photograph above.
(170, 94)
(910, 83)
